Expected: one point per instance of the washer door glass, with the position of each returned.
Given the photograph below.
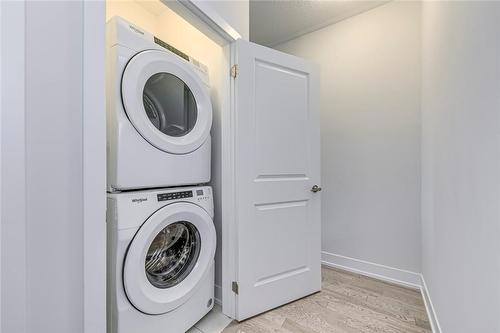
(172, 254)
(169, 104)
(169, 257)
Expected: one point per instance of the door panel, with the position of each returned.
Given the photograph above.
(276, 130)
(287, 258)
(276, 164)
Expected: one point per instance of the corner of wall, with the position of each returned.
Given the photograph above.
(429, 307)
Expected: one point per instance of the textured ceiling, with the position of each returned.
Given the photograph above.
(274, 22)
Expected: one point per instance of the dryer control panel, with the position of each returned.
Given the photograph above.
(174, 195)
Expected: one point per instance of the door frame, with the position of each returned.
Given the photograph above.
(203, 17)
(94, 166)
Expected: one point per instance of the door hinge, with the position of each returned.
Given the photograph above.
(234, 71)
(234, 287)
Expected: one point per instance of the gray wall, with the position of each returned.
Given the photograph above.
(370, 133)
(461, 163)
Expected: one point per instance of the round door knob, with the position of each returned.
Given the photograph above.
(315, 188)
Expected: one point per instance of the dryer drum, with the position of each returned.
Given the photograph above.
(172, 254)
(170, 104)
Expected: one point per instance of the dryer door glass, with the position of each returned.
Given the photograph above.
(169, 104)
(172, 254)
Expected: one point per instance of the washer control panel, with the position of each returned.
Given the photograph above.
(202, 194)
(174, 195)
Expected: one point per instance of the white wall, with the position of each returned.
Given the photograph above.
(370, 133)
(12, 157)
(461, 163)
(44, 264)
(54, 167)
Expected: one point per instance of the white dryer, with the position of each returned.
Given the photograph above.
(159, 112)
(161, 247)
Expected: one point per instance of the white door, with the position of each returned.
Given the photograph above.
(277, 165)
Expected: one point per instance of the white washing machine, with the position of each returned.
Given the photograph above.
(161, 247)
(159, 112)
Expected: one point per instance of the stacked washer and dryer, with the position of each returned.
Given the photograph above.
(161, 236)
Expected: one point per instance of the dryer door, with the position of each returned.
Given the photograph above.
(168, 257)
(166, 101)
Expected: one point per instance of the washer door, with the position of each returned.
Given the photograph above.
(166, 101)
(168, 257)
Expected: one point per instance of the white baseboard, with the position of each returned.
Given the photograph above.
(377, 271)
(218, 295)
(385, 273)
(431, 313)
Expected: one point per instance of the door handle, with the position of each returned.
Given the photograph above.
(315, 188)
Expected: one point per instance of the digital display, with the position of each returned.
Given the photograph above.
(171, 48)
(199, 192)
(175, 195)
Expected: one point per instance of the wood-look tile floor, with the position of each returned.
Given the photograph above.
(347, 303)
